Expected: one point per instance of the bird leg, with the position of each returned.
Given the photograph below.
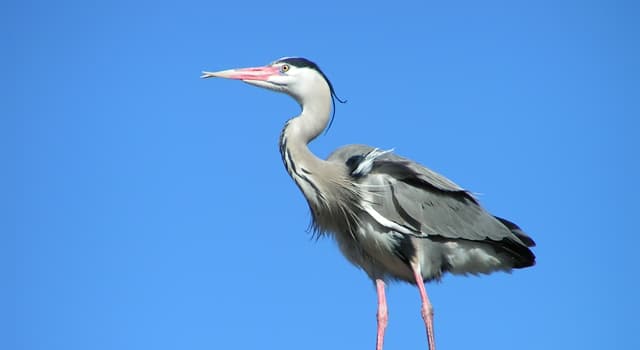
(382, 313)
(427, 309)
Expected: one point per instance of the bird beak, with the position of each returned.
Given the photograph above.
(253, 73)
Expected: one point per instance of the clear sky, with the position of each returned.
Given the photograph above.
(145, 208)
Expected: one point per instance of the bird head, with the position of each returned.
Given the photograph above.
(295, 76)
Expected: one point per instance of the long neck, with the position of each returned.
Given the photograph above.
(302, 165)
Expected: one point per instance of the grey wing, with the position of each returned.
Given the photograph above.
(427, 204)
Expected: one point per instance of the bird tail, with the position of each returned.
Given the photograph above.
(522, 256)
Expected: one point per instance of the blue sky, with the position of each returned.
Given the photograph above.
(149, 209)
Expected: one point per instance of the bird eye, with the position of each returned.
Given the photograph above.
(284, 68)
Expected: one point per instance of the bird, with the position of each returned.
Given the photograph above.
(392, 217)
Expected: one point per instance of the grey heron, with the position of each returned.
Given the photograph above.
(392, 217)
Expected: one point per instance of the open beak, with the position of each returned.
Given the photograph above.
(253, 73)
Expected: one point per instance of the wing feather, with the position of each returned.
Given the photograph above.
(412, 196)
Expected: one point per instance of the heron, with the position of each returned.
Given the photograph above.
(392, 217)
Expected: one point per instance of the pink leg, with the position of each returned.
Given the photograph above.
(427, 309)
(382, 313)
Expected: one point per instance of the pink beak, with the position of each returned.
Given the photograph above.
(254, 73)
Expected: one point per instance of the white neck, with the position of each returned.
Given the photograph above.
(301, 130)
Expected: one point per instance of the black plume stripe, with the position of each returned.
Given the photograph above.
(302, 62)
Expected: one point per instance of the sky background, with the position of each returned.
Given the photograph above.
(145, 208)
